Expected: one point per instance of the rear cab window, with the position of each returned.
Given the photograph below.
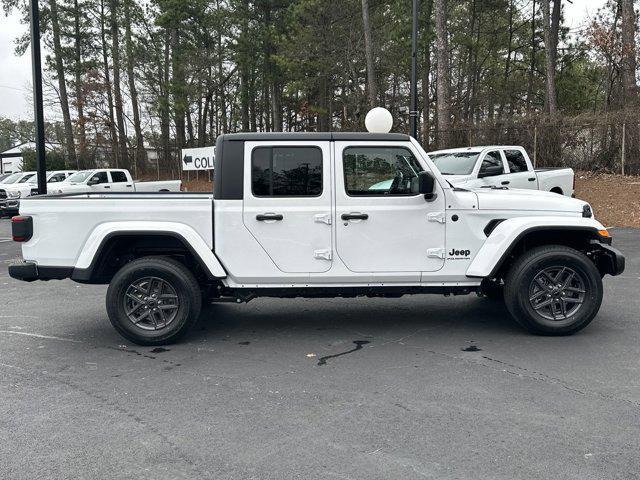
(286, 171)
(516, 161)
(118, 176)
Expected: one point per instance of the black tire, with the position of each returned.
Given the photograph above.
(527, 296)
(183, 303)
(492, 290)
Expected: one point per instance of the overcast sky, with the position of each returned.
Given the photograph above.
(15, 72)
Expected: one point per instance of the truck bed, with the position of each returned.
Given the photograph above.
(67, 221)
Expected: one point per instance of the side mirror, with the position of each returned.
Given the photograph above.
(490, 171)
(426, 185)
(93, 181)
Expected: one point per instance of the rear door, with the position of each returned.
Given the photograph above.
(287, 203)
(383, 225)
(521, 174)
(120, 182)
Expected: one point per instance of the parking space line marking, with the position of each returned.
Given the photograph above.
(37, 335)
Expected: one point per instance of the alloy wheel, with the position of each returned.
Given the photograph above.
(557, 293)
(151, 303)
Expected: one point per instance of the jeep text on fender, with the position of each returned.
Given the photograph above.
(322, 215)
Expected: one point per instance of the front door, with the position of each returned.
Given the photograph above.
(382, 223)
(287, 203)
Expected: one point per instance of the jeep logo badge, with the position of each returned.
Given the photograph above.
(459, 253)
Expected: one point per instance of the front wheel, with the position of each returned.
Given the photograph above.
(153, 300)
(553, 290)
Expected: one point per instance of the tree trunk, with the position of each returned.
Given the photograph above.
(532, 57)
(178, 88)
(164, 101)
(117, 93)
(78, 69)
(426, 72)
(368, 50)
(505, 94)
(108, 86)
(443, 80)
(551, 24)
(628, 66)
(140, 154)
(244, 67)
(62, 86)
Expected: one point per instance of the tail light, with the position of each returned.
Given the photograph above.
(21, 229)
(574, 183)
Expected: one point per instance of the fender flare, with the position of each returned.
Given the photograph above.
(508, 233)
(92, 248)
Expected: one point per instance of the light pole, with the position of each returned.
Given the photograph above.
(413, 109)
(38, 110)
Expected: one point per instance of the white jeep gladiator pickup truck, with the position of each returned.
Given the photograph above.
(499, 166)
(293, 215)
(112, 180)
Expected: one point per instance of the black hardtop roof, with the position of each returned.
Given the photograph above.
(329, 136)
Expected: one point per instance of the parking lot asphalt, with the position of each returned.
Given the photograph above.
(318, 389)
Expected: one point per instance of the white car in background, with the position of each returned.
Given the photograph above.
(25, 187)
(500, 166)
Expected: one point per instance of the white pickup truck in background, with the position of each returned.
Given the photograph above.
(500, 166)
(111, 180)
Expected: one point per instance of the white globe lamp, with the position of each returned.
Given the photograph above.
(378, 120)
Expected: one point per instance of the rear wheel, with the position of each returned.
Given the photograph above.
(153, 300)
(553, 290)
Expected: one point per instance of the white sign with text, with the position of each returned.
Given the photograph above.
(198, 158)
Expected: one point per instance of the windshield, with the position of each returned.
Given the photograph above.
(79, 177)
(3, 176)
(12, 178)
(455, 163)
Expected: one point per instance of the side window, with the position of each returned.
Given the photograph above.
(516, 161)
(492, 164)
(375, 171)
(101, 176)
(26, 178)
(118, 176)
(286, 171)
(58, 177)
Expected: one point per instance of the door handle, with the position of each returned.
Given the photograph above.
(354, 216)
(265, 217)
(107, 186)
(532, 179)
(506, 182)
(129, 186)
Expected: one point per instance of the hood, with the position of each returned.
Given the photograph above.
(519, 199)
(458, 179)
(68, 187)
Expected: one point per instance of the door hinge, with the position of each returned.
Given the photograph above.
(436, 253)
(322, 254)
(435, 217)
(322, 218)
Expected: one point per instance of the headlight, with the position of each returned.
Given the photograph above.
(13, 194)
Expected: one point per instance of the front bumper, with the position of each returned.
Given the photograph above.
(9, 206)
(29, 272)
(609, 259)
